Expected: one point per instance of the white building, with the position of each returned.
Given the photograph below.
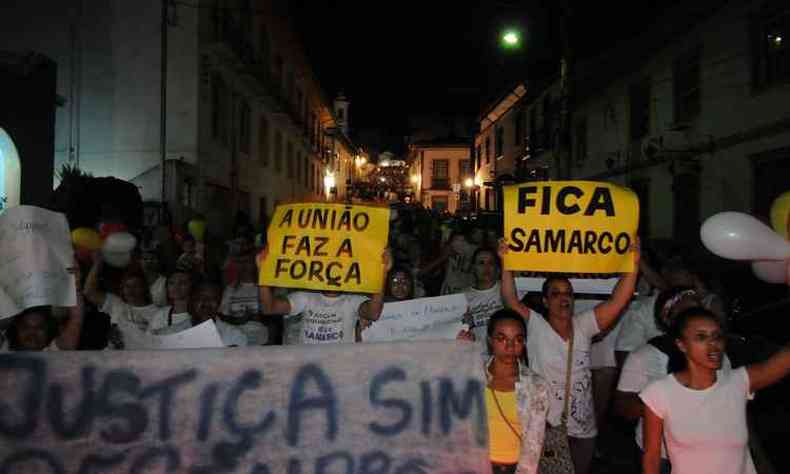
(693, 118)
(247, 124)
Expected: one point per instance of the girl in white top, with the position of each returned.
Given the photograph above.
(485, 296)
(700, 412)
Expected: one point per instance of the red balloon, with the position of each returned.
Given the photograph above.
(105, 229)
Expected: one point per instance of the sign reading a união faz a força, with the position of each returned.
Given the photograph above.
(325, 246)
(570, 227)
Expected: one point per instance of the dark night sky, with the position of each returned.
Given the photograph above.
(395, 59)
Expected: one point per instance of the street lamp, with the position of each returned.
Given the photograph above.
(469, 182)
(329, 183)
(511, 38)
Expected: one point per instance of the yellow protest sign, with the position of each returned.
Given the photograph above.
(570, 227)
(326, 246)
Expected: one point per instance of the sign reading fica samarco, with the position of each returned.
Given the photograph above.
(570, 226)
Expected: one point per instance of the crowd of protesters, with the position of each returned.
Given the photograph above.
(654, 348)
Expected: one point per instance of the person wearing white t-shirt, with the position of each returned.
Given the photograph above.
(547, 349)
(700, 412)
(179, 293)
(131, 310)
(457, 255)
(326, 317)
(653, 360)
(241, 301)
(204, 305)
(485, 296)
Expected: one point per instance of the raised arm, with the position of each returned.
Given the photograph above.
(92, 291)
(606, 313)
(271, 304)
(765, 374)
(509, 293)
(371, 309)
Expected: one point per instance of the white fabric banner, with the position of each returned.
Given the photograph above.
(393, 408)
(589, 286)
(35, 253)
(421, 319)
(204, 335)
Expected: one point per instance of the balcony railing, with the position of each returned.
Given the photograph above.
(442, 184)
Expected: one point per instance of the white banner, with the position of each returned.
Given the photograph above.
(397, 408)
(204, 335)
(589, 286)
(421, 319)
(35, 253)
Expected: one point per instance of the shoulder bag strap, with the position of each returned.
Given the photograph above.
(502, 414)
(564, 416)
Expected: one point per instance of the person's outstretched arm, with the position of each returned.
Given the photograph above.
(509, 293)
(271, 304)
(606, 313)
(765, 374)
(371, 309)
(92, 291)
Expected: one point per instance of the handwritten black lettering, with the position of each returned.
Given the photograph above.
(391, 374)
(299, 402)
(84, 413)
(30, 396)
(167, 388)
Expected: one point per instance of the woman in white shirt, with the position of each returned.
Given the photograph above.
(699, 412)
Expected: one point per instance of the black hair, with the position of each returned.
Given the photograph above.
(661, 301)
(482, 249)
(506, 314)
(682, 320)
(51, 327)
(399, 269)
(549, 280)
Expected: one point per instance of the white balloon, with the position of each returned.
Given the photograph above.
(739, 236)
(117, 259)
(119, 242)
(771, 271)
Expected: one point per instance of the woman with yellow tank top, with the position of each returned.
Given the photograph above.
(516, 398)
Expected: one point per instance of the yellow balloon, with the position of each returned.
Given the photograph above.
(197, 227)
(86, 238)
(780, 215)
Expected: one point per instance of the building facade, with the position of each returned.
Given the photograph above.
(693, 119)
(247, 124)
(442, 174)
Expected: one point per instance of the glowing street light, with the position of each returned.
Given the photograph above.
(469, 182)
(511, 38)
(414, 178)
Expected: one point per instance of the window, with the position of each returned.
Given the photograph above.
(580, 141)
(477, 158)
(686, 87)
(520, 133)
(219, 93)
(639, 100)
(499, 142)
(488, 150)
(464, 170)
(488, 199)
(244, 128)
(547, 121)
(289, 159)
(278, 151)
(263, 141)
(440, 178)
(771, 37)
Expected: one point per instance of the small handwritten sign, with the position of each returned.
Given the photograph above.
(421, 319)
(204, 335)
(35, 252)
(392, 408)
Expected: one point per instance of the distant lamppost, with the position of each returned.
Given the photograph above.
(511, 38)
(329, 183)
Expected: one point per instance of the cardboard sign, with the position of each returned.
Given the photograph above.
(345, 408)
(570, 227)
(421, 319)
(204, 335)
(35, 253)
(324, 246)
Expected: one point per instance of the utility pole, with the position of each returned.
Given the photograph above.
(562, 147)
(163, 107)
